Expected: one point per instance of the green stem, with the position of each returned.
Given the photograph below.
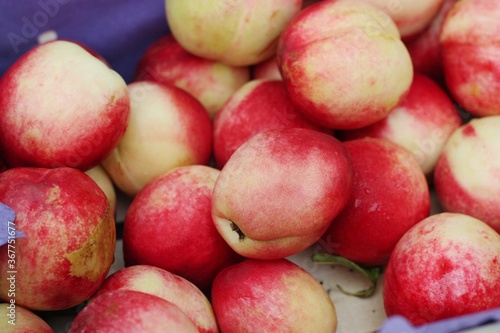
(372, 273)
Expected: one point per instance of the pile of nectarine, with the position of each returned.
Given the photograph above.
(251, 133)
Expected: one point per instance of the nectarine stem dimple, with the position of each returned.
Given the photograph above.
(234, 227)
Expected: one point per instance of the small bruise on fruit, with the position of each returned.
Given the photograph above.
(87, 261)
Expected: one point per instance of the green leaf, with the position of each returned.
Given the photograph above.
(372, 273)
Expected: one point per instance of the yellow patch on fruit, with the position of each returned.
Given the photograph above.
(53, 195)
(31, 135)
(475, 90)
(307, 293)
(150, 282)
(97, 254)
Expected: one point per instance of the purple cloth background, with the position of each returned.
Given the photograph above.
(119, 30)
(398, 324)
(7, 228)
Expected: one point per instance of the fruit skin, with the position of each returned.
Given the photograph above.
(61, 106)
(89, 50)
(235, 32)
(124, 311)
(173, 213)
(24, 320)
(422, 122)
(168, 128)
(259, 105)
(101, 177)
(445, 266)
(307, 3)
(470, 39)
(341, 71)
(166, 285)
(411, 17)
(466, 175)
(390, 194)
(70, 237)
(425, 49)
(271, 296)
(210, 82)
(266, 69)
(280, 190)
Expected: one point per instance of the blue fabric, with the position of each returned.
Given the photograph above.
(119, 30)
(398, 324)
(8, 231)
